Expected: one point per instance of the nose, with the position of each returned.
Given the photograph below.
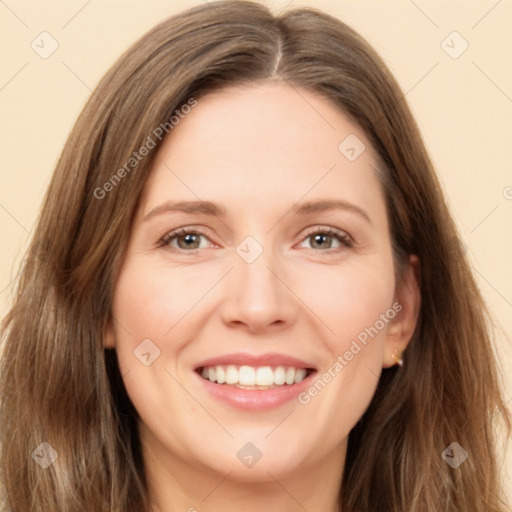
(257, 297)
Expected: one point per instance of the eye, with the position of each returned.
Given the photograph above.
(184, 240)
(323, 239)
(328, 239)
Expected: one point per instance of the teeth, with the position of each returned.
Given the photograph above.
(279, 376)
(300, 374)
(221, 375)
(264, 376)
(231, 375)
(248, 377)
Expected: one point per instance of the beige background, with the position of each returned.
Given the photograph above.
(463, 106)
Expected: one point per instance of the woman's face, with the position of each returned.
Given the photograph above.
(260, 255)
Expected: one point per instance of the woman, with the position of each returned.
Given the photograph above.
(245, 290)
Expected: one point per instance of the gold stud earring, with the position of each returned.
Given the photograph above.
(397, 356)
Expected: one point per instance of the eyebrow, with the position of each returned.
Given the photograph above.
(310, 207)
(209, 208)
(204, 207)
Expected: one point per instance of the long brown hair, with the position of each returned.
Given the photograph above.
(60, 386)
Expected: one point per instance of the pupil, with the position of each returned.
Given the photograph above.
(189, 240)
(320, 238)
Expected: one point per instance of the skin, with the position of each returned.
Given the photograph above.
(256, 151)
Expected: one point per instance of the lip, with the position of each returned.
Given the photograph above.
(269, 359)
(255, 399)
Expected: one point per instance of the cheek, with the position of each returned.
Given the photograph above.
(152, 304)
(357, 307)
(149, 302)
(348, 300)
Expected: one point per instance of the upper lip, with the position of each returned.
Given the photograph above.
(269, 359)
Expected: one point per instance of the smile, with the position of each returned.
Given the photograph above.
(254, 382)
(249, 377)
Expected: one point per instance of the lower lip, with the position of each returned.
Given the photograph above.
(255, 399)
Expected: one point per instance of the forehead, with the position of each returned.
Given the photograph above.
(267, 142)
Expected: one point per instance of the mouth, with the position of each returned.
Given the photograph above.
(254, 383)
(256, 378)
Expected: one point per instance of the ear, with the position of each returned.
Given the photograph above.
(407, 304)
(109, 337)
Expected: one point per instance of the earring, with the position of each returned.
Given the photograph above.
(397, 356)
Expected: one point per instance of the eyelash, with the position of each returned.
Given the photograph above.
(345, 240)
